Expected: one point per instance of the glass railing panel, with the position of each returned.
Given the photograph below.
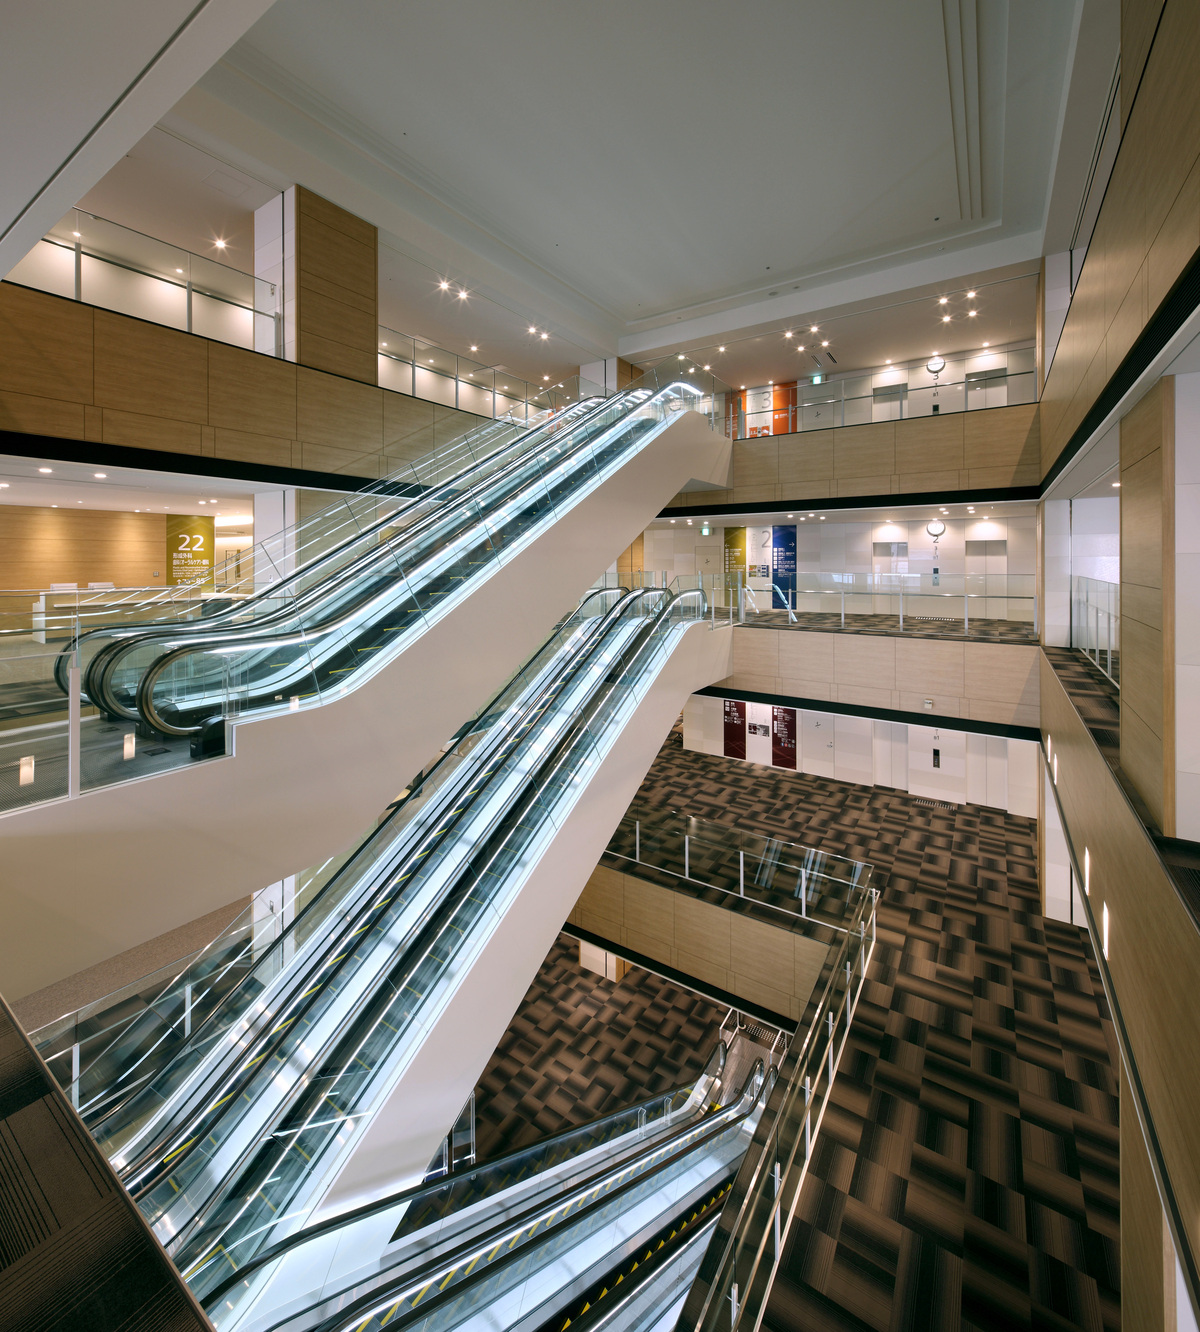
(34, 733)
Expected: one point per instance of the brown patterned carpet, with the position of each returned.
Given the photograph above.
(1096, 698)
(915, 626)
(581, 1046)
(966, 1174)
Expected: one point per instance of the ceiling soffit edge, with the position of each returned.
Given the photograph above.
(831, 296)
(313, 125)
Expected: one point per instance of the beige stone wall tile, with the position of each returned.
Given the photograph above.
(930, 666)
(862, 659)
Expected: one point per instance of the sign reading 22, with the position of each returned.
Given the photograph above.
(196, 539)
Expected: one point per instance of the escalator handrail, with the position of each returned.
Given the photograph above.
(414, 1193)
(199, 636)
(719, 1121)
(316, 965)
(385, 488)
(129, 637)
(156, 1164)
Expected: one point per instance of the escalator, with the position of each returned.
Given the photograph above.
(533, 1240)
(338, 618)
(231, 1134)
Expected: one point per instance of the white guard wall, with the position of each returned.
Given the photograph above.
(1056, 573)
(86, 878)
(82, 83)
(403, 1135)
(992, 770)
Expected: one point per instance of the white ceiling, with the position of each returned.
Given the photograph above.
(70, 485)
(650, 162)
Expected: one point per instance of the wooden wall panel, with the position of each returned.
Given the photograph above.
(772, 967)
(1148, 229)
(337, 289)
(89, 374)
(996, 448)
(1154, 945)
(1148, 602)
(992, 682)
(40, 546)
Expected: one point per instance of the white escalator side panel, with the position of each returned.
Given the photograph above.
(90, 877)
(425, 1099)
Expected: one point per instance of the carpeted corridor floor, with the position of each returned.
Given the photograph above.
(580, 1046)
(966, 1174)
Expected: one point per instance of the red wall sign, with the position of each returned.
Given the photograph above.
(783, 737)
(735, 729)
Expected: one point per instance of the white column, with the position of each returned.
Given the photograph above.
(274, 535)
(275, 262)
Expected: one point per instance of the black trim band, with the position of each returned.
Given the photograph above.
(881, 714)
(994, 496)
(20, 445)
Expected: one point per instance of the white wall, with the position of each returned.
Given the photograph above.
(1096, 538)
(978, 769)
(1056, 612)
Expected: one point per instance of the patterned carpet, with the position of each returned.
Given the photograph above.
(966, 1174)
(915, 626)
(1096, 698)
(580, 1046)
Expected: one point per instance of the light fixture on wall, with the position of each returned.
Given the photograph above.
(1104, 930)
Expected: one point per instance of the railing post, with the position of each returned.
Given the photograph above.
(75, 1075)
(189, 306)
(187, 1009)
(637, 841)
(901, 596)
(733, 1300)
(966, 613)
(830, 1017)
(843, 608)
(778, 1186)
(687, 871)
(74, 736)
(742, 873)
(79, 270)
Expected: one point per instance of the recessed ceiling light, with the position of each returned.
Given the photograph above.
(812, 515)
(1116, 485)
(470, 374)
(971, 295)
(203, 501)
(814, 329)
(822, 518)
(473, 347)
(888, 361)
(431, 360)
(3, 485)
(743, 386)
(770, 382)
(443, 285)
(672, 519)
(220, 244)
(545, 336)
(803, 520)
(76, 235)
(943, 299)
(179, 270)
(788, 334)
(45, 469)
(545, 376)
(987, 344)
(708, 367)
(825, 342)
(791, 515)
(972, 313)
(100, 476)
(681, 356)
(79, 501)
(945, 319)
(532, 329)
(720, 349)
(54, 506)
(462, 295)
(800, 347)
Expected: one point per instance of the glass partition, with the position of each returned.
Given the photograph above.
(1096, 623)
